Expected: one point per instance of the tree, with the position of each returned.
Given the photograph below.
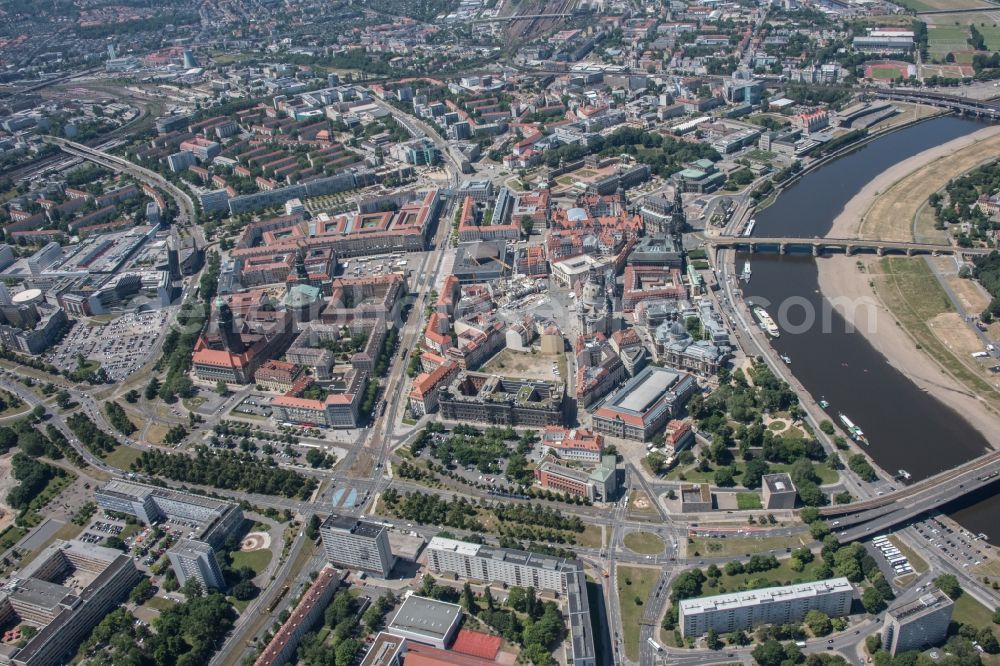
(712, 640)
(872, 600)
(141, 592)
(948, 584)
(818, 622)
(347, 650)
(724, 477)
(116, 543)
(769, 653)
(221, 387)
(469, 600)
(244, 590)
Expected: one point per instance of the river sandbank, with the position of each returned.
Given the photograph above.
(846, 224)
(841, 282)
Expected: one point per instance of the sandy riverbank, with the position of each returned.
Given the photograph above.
(841, 280)
(846, 224)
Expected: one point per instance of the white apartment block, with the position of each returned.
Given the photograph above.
(726, 613)
(517, 567)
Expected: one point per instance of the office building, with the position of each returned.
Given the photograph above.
(726, 613)
(642, 407)
(426, 621)
(778, 491)
(209, 523)
(599, 484)
(308, 611)
(917, 624)
(63, 593)
(470, 561)
(357, 544)
(482, 398)
(195, 559)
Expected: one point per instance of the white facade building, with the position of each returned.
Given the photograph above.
(726, 613)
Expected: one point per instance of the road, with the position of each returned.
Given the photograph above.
(185, 204)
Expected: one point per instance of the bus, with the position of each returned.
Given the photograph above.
(655, 645)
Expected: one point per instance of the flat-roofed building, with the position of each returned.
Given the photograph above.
(778, 491)
(726, 613)
(600, 483)
(63, 593)
(917, 624)
(209, 522)
(195, 559)
(386, 650)
(696, 498)
(357, 544)
(307, 612)
(426, 621)
(641, 407)
(470, 561)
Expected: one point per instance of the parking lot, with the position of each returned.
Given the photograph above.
(121, 346)
(961, 546)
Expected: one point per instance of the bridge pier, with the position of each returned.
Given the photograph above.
(782, 248)
(909, 251)
(753, 248)
(880, 251)
(815, 249)
(849, 250)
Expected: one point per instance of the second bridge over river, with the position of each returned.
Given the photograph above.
(849, 246)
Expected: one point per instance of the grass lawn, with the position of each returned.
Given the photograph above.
(634, 585)
(782, 575)
(969, 611)
(256, 560)
(915, 297)
(640, 506)
(826, 474)
(886, 72)
(917, 562)
(193, 403)
(11, 536)
(737, 546)
(156, 433)
(122, 457)
(592, 536)
(644, 543)
(748, 501)
(160, 603)
(943, 39)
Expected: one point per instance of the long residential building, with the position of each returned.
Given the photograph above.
(726, 613)
(63, 593)
(308, 611)
(470, 561)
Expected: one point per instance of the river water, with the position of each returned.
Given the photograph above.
(906, 427)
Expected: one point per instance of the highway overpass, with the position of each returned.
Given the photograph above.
(116, 163)
(858, 519)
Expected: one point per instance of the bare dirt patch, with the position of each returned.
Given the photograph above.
(956, 335)
(973, 297)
